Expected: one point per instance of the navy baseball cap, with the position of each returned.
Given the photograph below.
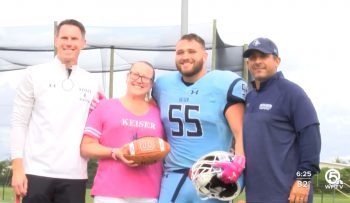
(263, 45)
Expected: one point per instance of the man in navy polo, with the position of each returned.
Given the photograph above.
(282, 138)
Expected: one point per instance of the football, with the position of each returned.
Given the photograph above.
(146, 150)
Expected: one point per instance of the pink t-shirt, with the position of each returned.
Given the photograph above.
(113, 125)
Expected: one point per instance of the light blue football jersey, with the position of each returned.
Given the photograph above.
(193, 116)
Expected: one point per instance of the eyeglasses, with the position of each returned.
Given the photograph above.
(136, 76)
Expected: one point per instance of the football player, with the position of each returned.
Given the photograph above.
(201, 112)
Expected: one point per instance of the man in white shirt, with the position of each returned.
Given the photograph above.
(50, 111)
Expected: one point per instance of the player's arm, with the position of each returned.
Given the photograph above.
(234, 116)
(23, 106)
(234, 113)
(232, 170)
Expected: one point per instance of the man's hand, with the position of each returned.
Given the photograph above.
(231, 170)
(97, 98)
(19, 182)
(299, 192)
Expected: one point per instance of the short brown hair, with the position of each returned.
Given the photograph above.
(71, 22)
(195, 37)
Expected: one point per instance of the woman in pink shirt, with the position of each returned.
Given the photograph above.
(114, 123)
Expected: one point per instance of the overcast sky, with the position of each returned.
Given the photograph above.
(312, 37)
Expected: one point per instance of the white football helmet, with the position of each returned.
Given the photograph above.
(205, 178)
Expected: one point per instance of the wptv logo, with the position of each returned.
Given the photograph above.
(332, 176)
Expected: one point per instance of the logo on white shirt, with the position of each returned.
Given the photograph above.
(266, 107)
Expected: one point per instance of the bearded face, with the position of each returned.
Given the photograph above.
(189, 67)
(190, 58)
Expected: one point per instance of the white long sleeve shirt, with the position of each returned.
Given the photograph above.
(48, 120)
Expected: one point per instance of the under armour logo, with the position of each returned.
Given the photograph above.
(194, 91)
(256, 43)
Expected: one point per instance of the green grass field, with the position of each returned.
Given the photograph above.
(8, 197)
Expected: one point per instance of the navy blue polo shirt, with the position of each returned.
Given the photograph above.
(274, 116)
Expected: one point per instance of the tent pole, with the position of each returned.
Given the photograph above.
(213, 47)
(184, 17)
(245, 72)
(111, 72)
(54, 36)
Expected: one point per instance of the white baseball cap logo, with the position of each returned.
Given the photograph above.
(256, 43)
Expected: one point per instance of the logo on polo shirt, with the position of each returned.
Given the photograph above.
(266, 107)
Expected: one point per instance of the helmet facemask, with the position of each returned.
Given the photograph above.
(205, 177)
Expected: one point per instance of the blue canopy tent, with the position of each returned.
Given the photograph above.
(109, 53)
